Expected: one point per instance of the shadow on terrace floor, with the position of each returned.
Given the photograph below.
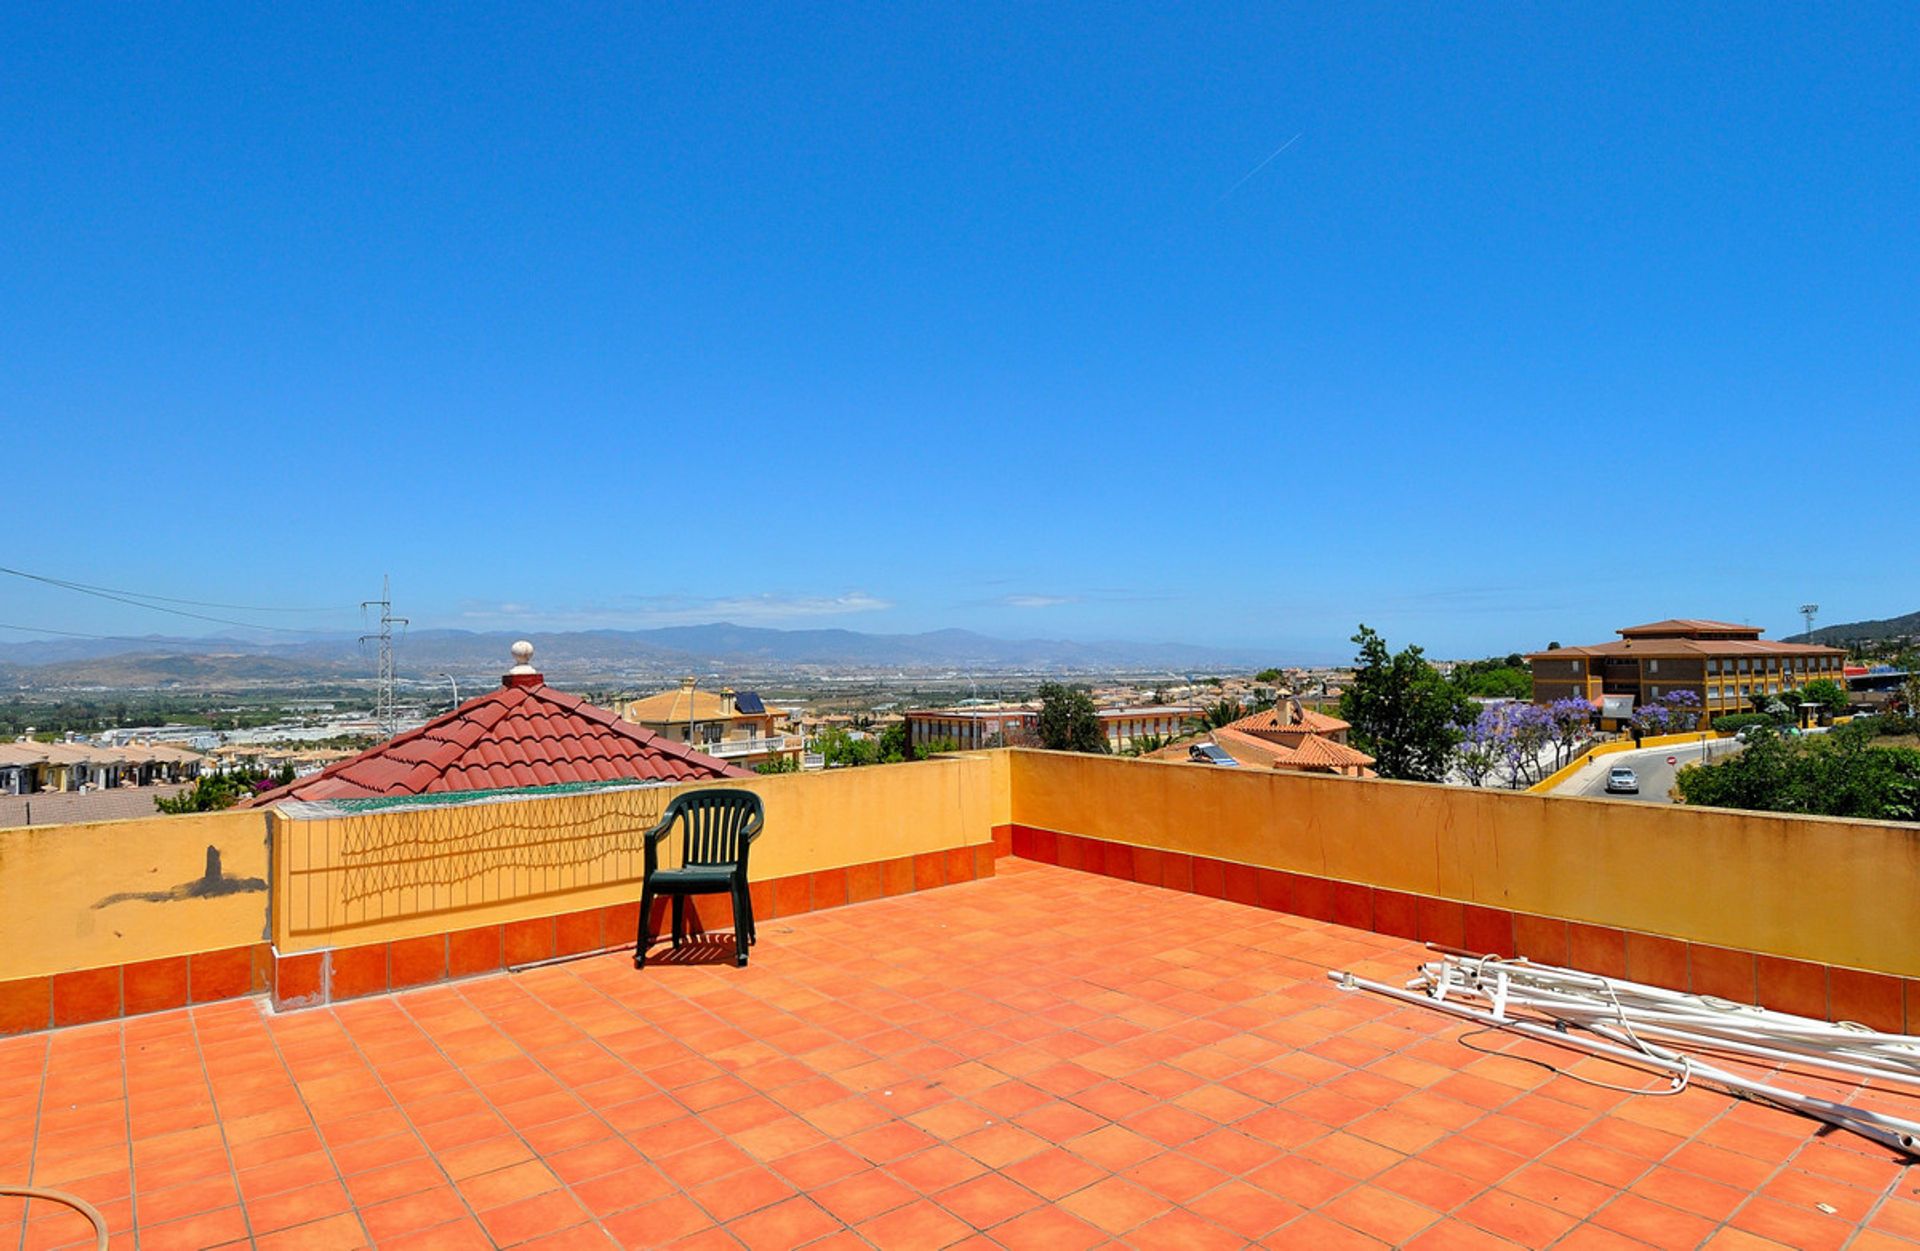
(1049, 1058)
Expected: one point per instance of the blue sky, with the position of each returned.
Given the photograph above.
(900, 318)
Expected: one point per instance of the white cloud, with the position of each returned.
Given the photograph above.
(664, 610)
(1037, 601)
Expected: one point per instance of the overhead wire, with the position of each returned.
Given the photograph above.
(139, 600)
(72, 634)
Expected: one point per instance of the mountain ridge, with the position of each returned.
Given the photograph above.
(1907, 626)
(422, 654)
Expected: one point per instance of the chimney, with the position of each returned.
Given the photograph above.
(726, 701)
(523, 674)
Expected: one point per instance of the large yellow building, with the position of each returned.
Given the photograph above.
(1723, 664)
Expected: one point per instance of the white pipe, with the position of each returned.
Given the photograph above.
(1595, 1018)
(1794, 1039)
(1888, 1131)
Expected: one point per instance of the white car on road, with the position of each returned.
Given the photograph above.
(1622, 781)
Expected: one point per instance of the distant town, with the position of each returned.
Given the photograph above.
(103, 733)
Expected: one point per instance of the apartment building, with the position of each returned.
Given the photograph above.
(1723, 664)
(1003, 725)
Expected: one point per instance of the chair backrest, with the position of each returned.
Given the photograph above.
(714, 825)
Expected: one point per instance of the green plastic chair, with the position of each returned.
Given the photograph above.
(717, 830)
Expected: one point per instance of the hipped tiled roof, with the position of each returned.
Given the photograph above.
(1279, 720)
(517, 735)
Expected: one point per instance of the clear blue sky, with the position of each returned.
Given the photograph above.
(900, 318)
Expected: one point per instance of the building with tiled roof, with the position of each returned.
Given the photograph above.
(1289, 720)
(1286, 736)
(524, 733)
(736, 726)
(1725, 666)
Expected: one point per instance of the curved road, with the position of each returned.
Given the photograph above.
(1656, 775)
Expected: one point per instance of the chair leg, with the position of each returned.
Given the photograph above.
(742, 924)
(641, 939)
(679, 919)
(746, 897)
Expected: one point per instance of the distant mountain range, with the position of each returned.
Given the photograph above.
(1863, 631)
(577, 655)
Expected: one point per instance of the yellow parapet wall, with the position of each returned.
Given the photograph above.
(1813, 888)
(385, 876)
(104, 893)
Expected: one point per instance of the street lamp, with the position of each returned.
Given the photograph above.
(454, 684)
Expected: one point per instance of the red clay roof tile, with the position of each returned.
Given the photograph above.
(511, 736)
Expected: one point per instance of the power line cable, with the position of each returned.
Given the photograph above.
(72, 634)
(127, 597)
(167, 599)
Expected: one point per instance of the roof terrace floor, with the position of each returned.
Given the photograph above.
(1042, 1059)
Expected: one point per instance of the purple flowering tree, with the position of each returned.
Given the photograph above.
(1676, 712)
(1481, 748)
(1572, 722)
(1683, 711)
(1529, 734)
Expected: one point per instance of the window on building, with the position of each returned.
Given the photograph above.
(1653, 666)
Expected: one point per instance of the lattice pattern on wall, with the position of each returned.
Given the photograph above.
(359, 869)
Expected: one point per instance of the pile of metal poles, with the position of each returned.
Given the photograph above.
(1675, 1034)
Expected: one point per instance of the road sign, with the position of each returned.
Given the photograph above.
(1673, 760)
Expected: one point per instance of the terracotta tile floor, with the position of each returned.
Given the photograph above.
(1045, 1059)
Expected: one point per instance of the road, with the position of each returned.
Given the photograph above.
(1656, 775)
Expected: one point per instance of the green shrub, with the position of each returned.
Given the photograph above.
(1736, 721)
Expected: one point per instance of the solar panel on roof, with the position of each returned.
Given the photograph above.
(749, 702)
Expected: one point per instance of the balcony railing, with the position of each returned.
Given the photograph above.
(730, 748)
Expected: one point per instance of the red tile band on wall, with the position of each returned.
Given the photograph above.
(357, 971)
(1657, 961)
(26, 1004)
(1869, 999)
(154, 985)
(575, 933)
(1396, 913)
(305, 979)
(86, 996)
(1442, 921)
(480, 950)
(213, 975)
(417, 961)
(1879, 1000)
(299, 980)
(1597, 949)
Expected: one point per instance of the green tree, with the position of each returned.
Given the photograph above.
(1404, 714)
(1068, 720)
(892, 743)
(1829, 694)
(778, 764)
(1494, 678)
(839, 748)
(214, 791)
(1841, 774)
(1267, 675)
(1220, 712)
(1146, 744)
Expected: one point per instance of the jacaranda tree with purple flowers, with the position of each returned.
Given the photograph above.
(1481, 747)
(1529, 731)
